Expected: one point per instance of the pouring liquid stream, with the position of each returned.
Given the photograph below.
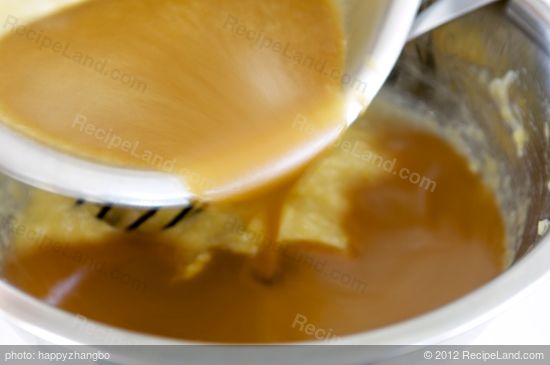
(226, 94)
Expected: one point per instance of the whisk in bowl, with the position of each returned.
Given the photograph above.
(133, 219)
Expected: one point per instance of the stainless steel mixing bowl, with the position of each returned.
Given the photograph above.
(476, 80)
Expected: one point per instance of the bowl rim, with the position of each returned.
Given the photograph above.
(443, 323)
(38, 164)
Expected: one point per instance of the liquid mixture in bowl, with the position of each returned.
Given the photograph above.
(390, 223)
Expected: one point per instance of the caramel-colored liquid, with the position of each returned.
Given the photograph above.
(210, 90)
(414, 248)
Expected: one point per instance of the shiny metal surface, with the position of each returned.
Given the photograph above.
(534, 17)
(448, 75)
(444, 11)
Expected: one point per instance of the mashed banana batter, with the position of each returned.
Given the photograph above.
(388, 224)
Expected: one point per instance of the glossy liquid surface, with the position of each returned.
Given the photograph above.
(413, 247)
